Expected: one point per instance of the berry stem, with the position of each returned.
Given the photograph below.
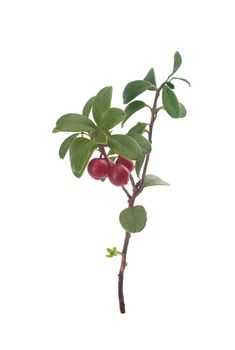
(136, 190)
(132, 181)
(102, 151)
(127, 193)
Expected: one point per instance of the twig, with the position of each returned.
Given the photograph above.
(137, 189)
(127, 193)
(132, 182)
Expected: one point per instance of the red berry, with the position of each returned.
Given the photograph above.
(98, 168)
(129, 164)
(118, 175)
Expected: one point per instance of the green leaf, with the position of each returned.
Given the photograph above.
(132, 108)
(80, 152)
(88, 106)
(171, 86)
(170, 102)
(66, 144)
(144, 144)
(112, 252)
(136, 88)
(101, 103)
(177, 63)
(152, 180)
(111, 117)
(125, 146)
(151, 77)
(139, 128)
(183, 111)
(99, 137)
(138, 165)
(185, 80)
(74, 122)
(133, 219)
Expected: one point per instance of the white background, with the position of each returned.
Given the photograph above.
(58, 291)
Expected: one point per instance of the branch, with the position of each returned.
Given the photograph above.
(132, 182)
(137, 189)
(121, 273)
(154, 112)
(127, 193)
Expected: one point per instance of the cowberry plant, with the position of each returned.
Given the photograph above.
(123, 158)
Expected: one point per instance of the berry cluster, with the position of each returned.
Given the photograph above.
(118, 172)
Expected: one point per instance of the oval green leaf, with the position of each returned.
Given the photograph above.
(80, 152)
(185, 80)
(66, 144)
(125, 146)
(132, 108)
(101, 103)
(88, 106)
(99, 137)
(153, 180)
(74, 122)
(133, 219)
(170, 102)
(177, 63)
(136, 88)
(139, 128)
(111, 118)
(183, 111)
(144, 144)
(151, 77)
